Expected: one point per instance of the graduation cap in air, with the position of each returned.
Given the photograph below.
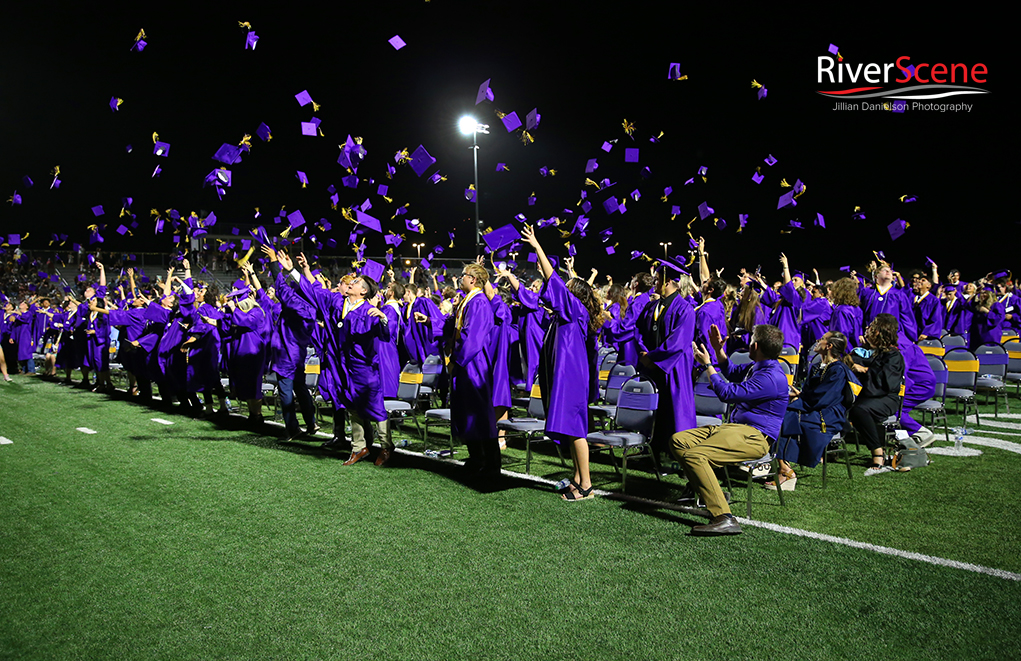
(373, 269)
(485, 93)
(397, 42)
(785, 199)
(704, 210)
(631, 155)
(161, 149)
(421, 161)
(897, 229)
(367, 221)
(757, 177)
(511, 121)
(500, 237)
(769, 160)
(228, 154)
(263, 132)
(532, 119)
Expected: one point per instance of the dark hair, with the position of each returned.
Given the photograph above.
(882, 332)
(747, 309)
(770, 340)
(716, 287)
(838, 347)
(397, 289)
(644, 282)
(583, 292)
(370, 286)
(617, 294)
(822, 288)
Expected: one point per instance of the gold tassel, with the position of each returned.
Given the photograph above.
(756, 85)
(155, 137)
(244, 24)
(140, 36)
(589, 182)
(245, 142)
(784, 184)
(629, 128)
(315, 107)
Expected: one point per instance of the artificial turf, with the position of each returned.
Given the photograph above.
(205, 540)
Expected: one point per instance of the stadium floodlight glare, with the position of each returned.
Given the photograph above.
(467, 125)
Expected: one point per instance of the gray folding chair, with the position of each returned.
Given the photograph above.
(619, 375)
(1013, 374)
(954, 342)
(532, 428)
(634, 420)
(962, 378)
(709, 410)
(993, 361)
(936, 407)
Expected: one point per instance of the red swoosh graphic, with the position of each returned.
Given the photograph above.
(850, 91)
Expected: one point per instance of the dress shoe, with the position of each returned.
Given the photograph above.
(312, 429)
(724, 524)
(357, 456)
(337, 443)
(383, 458)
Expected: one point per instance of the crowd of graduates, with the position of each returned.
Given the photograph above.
(501, 331)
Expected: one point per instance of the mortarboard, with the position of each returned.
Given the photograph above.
(228, 154)
(484, 93)
(592, 165)
(742, 220)
(436, 177)
(308, 128)
(762, 92)
(769, 160)
(161, 148)
(392, 239)
(833, 49)
(908, 198)
(785, 199)
(511, 121)
(397, 42)
(263, 132)
(97, 210)
(29, 183)
(366, 205)
(794, 224)
(897, 229)
(586, 206)
(421, 161)
(303, 98)
(674, 72)
(15, 199)
(373, 269)
(414, 225)
(14, 239)
(469, 194)
(704, 210)
(532, 119)
(820, 221)
(798, 186)
(899, 105)
(610, 205)
(531, 200)
(368, 221)
(757, 177)
(702, 170)
(115, 103)
(607, 146)
(720, 223)
(250, 40)
(500, 237)
(350, 181)
(631, 155)
(424, 263)
(302, 177)
(122, 230)
(382, 190)
(636, 195)
(295, 219)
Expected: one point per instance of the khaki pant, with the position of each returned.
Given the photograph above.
(702, 449)
(362, 432)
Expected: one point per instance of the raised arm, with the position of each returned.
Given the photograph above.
(528, 234)
(703, 262)
(786, 268)
(102, 274)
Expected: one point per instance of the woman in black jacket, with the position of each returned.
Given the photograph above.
(881, 375)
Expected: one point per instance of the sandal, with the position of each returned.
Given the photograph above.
(787, 480)
(578, 494)
(565, 486)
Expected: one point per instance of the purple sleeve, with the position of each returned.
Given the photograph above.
(528, 298)
(790, 294)
(769, 297)
(756, 388)
(677, 343)
(474, 336)
(563, 303)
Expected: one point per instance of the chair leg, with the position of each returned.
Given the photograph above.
(847, 459)
(425, 434)
(748, 491)
(825, 463)
(623, 470)
(528, 453)
(776, 476)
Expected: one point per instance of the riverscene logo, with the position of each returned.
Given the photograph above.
(899, 79)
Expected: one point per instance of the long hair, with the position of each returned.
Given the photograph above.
(838, 348)
(882, 332)
(845, 292)
(583, 292)
(685, 285)
(747, 309)
(617, 294)
(729, 301)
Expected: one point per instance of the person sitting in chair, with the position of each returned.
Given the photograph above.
(759, 393)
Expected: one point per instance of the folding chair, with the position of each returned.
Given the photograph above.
(608, 361)
(634, 419)
(953, 342)
(932, 347)
(739, 358)
(1008, 335)
(432, 372)
(532, 428)
(269, 390)
(404, 405)
(768, 459)
(836, 448)
(619, 375)
(1013, 374)
(709, 410)
(962, 377)
(936, 407)
(789, 354)
(993, 360)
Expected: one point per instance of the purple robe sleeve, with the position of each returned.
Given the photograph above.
(474, 334)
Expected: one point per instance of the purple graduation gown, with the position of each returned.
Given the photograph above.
(787, 312)
(292, 333)
(847, 320)
(568, 374)
(707, 314)
(957, 317)
(675, 357)
(531, 328)
(248, 352)
(986, 327)
(892, 301)
(21, 332)
(928, 316)
(815, 317)
(919, 381)
(624, 331)
(499, 352)
(472, 416)
(389, 361)
(421, 340)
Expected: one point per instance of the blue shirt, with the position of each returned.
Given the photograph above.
(759, 391)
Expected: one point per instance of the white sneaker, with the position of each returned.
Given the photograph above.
(924, 437)
(876, 470)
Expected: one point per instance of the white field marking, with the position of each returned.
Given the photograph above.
(161, 421)
(996, 423)
(885, 550)
(787, 530)
(85, 430)
(1014, 416)
(993, 443)
(5, 441)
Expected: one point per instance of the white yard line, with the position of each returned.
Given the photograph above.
(5, 441)
(85, 430)
(161, 421)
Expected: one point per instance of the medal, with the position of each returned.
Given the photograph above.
(655, 328)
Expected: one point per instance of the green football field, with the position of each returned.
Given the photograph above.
(200, 539)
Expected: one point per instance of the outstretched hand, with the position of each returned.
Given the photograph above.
(528, 234)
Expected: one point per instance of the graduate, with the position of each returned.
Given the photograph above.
(988, 312)
(746, 315)
(666, 331)
(532, 324)
(422, 330)
(248, 349)
(499, 351)
(624, 332)
(472, 416)
(568, 375)
(846, 316)
(885, 298)
(354, 326)
(927, 310)
(711, 311)
(957, 313)
(787, 304)
(389, 355)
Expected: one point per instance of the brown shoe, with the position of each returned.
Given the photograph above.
(383, 458)
(723, 524)
(357, 456)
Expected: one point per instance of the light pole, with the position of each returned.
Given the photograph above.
(468, 125)
(418, 247)
(665, 246)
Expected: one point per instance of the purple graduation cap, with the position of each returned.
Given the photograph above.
(302, 177)
(521, 218)
(544, 170)
(122, 230)
(769, 160)
(114, 103)
(500, 167)
(228, 154)
(210, 220)
(675, 210)
(500, 237)
(607, 147)
(798, 186)
(757, 177)
(350, 181)
(295, 219)
(413, 225)
(610, 250)
(858, 216)
(897, 229)
(785, 199)
(833, 49)
(610, 205)
(365, 220)
(667, 191)
(586, 206)
(631, 155)
(303, 98)
(97, 210)
(532, 119)
(702, 170)
(820, 221)
(421, 161)
(436, 177)
(511, 121)
(263, 132)
(704, 210)
(392, 239)
(366, 205)
(591, 165)
(636, 195)
(250, 40)
(161, 149)
(484, 93)
(373, 269)
(720, 224)
(155, 173)
(29, 183)
(531, 200)
(762, 92)
(382, 190)
(308, 128)
(794, 224)
(674, 72)
(909, 198)
(397, 42)
(742, 220)
(14, 239)
(15, 199)
(580, 226)
(899, 105)
(469, 194)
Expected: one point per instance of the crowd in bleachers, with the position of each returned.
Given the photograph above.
(712, 373)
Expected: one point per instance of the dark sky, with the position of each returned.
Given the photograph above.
(586, 69)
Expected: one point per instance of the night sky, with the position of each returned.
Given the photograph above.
(585, 69)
